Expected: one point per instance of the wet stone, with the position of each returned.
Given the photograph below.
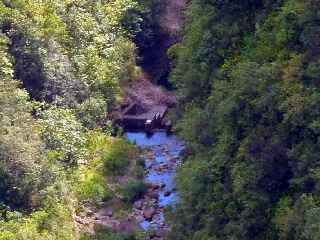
(138, 205)
(161, 165)
(149, 213)
(139, 218)
(109, 213)
(167, 193)
(161, 233)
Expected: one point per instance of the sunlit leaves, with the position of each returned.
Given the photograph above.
(74, 45)
(64, 136)
(71, 55)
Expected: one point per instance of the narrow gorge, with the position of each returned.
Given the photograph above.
(161, 149)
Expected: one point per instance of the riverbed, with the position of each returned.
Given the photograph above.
(162, 159)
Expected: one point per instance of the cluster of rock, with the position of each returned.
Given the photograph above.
(148, 210)
(147, 213)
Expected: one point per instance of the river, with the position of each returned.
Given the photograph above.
(162, 158)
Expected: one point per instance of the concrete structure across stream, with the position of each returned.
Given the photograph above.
(133, 118)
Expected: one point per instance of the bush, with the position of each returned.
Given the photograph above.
(63, 135)
(92, 112)
(133, 190)
(116, 159)
(21, 161)
(54, 222)
(91, 179)
(103, 234)
(93, 186)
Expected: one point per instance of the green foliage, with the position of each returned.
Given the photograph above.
(116, 159)
(92, 183)
(66, 51)
(92, 112)
(110, 157)
(133, 190)
(299, 220)
(247, 79)
(22, 169)
(92, 186)
(53, 222)
(61, 66)
(106, 235)
(63, 135)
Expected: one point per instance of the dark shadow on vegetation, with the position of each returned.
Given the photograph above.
(152, 42)
(28, 67)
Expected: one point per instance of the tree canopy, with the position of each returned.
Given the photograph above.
(62, 63)
(247, 78)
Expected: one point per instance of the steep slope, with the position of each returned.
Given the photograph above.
(248, 79)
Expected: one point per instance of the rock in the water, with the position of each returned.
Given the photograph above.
(149, 213)
(139, 218)
(167, 193)
(155, 186)
(164, 166)
(138, 205)
(150, 185)
(153, 194)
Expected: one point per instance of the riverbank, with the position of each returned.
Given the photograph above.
(145, 216)
(160, 152)
(162, 159)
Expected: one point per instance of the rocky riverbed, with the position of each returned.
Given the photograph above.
(162, 157)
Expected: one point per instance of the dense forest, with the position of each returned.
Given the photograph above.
(62, 66)
(247, 74)
(246, 77)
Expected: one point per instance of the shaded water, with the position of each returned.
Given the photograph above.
(161, 167)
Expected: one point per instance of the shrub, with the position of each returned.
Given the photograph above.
(107, 235)
(92, 112)
(21, 159)
(91, 179)
(54, 222)
(93, 186)
(134, 190)
(63, 135)
(116, 159)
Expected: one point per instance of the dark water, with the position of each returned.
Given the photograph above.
(161, 165)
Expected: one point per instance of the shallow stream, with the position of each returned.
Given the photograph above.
(162, 160)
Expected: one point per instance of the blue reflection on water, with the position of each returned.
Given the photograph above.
(165, 148)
